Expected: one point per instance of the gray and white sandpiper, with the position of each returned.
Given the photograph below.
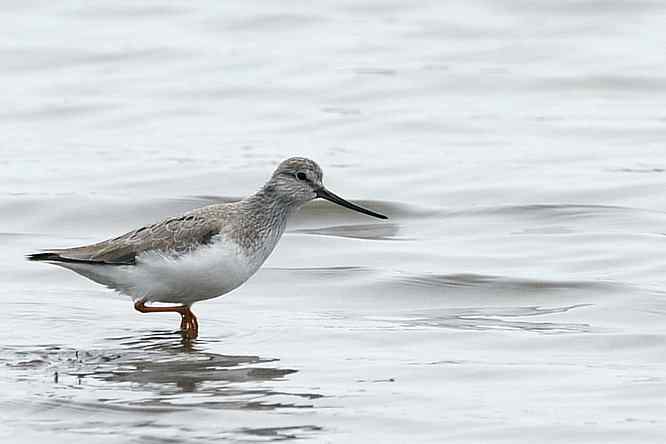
(204, 253)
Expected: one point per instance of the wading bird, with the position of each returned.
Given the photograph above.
(204, 253)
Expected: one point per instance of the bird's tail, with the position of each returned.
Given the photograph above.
(46, 256)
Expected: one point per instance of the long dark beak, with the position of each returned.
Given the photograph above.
(325, 194)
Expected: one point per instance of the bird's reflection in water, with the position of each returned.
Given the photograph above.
(161, 369)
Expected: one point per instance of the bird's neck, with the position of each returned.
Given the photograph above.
(263, 220)
(267, 200)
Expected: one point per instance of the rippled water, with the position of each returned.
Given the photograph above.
(515, 295)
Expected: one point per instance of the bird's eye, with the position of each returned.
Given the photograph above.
(301, 176)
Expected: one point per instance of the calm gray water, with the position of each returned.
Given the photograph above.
(517, 294)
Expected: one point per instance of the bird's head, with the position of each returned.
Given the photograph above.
(299, 180)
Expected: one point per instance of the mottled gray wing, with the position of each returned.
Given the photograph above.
(171, 236)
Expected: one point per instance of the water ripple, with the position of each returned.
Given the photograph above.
(163, 373)
(375, 231)
(458, 280)
(493, 318)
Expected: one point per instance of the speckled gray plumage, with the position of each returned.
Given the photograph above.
(250, 223)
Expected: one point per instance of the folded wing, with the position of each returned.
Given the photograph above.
(173, 236)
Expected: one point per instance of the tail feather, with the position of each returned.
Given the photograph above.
(56, 256)
(46, 256)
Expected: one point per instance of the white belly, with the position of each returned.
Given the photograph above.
(207, 272)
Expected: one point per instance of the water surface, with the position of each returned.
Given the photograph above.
(515, 295)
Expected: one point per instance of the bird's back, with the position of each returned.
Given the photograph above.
(173, 236)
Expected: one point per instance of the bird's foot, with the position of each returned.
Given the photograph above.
(189, 326)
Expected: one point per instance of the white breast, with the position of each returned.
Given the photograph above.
(207, 272)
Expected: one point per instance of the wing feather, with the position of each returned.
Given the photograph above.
(173, 236)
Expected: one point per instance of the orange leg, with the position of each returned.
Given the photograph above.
(188, 324)
(194, 322)
(184, 321)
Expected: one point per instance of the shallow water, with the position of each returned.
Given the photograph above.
(515, 295)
